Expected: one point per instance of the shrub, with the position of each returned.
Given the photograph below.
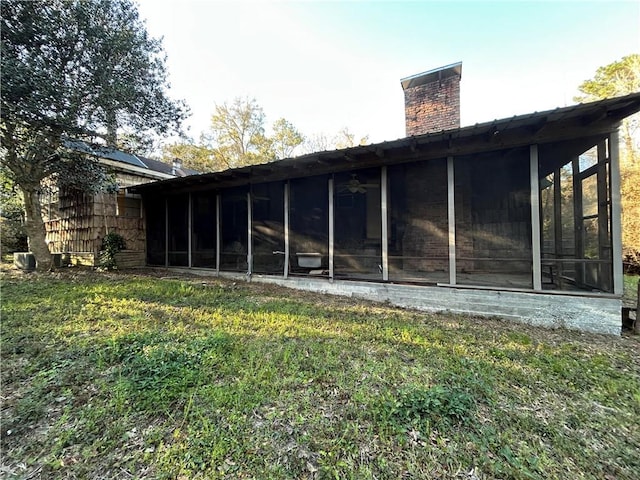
(112, 243)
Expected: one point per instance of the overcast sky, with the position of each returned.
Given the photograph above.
(328, 65)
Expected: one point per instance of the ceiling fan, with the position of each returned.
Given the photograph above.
(355, 186)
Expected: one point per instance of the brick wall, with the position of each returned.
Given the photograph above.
(433, 106)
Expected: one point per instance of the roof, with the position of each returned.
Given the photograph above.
(103, 151)
(595, 118)
(432, 75)
(166, 168)
(121, 157)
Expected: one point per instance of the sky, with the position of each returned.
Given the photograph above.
(327, 65)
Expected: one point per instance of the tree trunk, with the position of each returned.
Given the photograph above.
(112, 129)
(34, 226)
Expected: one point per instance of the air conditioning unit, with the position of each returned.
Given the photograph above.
(24, 261)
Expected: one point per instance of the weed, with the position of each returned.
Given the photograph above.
(426, 408)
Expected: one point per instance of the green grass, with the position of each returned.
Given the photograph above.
(123, 376)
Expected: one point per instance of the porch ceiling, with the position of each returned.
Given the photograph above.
(583, 120)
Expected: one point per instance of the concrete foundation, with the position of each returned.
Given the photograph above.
(597, 314)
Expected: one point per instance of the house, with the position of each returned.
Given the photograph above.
(76, 222)
(517, 218)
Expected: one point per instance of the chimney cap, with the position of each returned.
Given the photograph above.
(432, 75)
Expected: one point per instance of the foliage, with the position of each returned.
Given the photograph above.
(238, 137)
(344, 138)
(13, 237)
(436, 406)
(237, 131)
(621, 78)
(198, 157)
(112, 243)
(111, 376)
(285, 138)
(616, 79)
(74, 69)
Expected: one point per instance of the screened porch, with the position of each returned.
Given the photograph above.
(534, 217)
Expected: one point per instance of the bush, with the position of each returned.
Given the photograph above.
(112, 243)
(13, 237)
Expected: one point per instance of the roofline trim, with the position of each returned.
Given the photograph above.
(432, 75)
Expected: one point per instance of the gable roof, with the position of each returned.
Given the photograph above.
(595, 118)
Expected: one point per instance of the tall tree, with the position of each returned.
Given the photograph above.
(237, 133)
(286, 138)
(195, 156)
(616, 79)
(79, 69)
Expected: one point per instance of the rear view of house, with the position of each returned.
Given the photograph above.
(518, 217)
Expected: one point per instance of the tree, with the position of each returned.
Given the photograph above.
(237, 133)
(198, 157)
(74, 69)
(286, 138)
(345, 139)
(318, 142)
(616, 79)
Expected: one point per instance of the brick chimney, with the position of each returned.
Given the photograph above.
(432, 100)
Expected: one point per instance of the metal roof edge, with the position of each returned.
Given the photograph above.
(432, 75)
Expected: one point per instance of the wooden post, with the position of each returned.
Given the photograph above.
(286, 228)
(451, 209)
(331, 229)
(218, 233)
(190, 231)
(616, 214)
(535, 217)
(249, 236)
(384, 225)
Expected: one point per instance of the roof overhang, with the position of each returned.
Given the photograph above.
(583, 120)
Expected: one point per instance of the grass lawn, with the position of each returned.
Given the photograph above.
(139, 376)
